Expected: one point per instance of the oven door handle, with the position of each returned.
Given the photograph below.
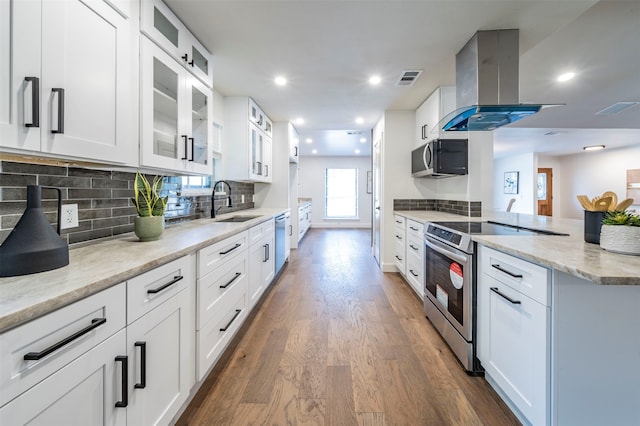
(458, 258)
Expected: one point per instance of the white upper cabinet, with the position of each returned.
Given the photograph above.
(176, 109)
(294, 144)
(247, 134)
(440, 103)
(69, 79)
(162, 26)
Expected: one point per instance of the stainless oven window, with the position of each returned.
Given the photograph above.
(445, 281)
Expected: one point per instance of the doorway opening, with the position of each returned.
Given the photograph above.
(545, 191)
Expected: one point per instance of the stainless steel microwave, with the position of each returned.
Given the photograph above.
(440, 158)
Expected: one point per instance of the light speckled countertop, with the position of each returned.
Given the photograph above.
(570, 254)
(97, 266)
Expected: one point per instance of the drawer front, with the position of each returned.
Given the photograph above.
(528, 278)
(217, 333)
(211, 257)
(399, 257)
(415, 229)
(258, 232)
(415, 274)
(55, 330)
(415, 246)
(148, 290)
(214, 289)
(400, 222)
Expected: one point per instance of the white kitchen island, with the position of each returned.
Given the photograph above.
(561, 342)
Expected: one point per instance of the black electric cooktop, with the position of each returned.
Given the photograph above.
(485, 228)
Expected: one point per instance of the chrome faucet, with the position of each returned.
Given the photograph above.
(214, 211)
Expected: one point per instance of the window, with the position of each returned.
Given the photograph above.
(341, 187)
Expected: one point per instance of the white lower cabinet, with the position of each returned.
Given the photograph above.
(261, 259)
(514, 330)
(84, 392)
(409, 252)
(221, 297)
(160, 343)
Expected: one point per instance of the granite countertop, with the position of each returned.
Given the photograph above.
(96, 266)
(569, 254)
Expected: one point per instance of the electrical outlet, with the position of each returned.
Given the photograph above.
(69, 216)
(242, 198)
(253, 198)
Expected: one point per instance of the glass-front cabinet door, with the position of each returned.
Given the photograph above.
(200, 132)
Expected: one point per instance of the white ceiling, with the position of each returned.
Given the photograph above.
(328, 49)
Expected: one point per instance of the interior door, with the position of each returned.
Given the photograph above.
(377, 147)
(545, 192)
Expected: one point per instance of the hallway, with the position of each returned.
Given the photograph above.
(337, 342)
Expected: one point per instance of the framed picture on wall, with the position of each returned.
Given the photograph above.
(511, 182)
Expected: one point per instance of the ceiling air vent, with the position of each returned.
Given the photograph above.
(616, 108)
(408, 77)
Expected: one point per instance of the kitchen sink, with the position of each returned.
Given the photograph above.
(237, 219)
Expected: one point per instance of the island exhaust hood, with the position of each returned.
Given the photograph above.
(487, 80)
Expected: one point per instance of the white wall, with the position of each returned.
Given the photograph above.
(311, 176)
(525, 165)
(591, 174)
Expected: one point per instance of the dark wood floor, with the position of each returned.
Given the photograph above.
(338, 342)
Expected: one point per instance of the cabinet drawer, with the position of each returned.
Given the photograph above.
(214, 288)
(415, 246)
(48, 333)
(415, 229)
(399, 257)
(258, 232)
(217, 333)
(528, 278)
(415, 274)
(148, 290)
(400, 222)
(211, 257)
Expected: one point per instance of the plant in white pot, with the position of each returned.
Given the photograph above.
(150, 206)
(620, 232)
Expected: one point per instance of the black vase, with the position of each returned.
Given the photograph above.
(33, 245)
(592, 226)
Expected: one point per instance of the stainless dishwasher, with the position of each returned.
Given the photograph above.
(280, 241)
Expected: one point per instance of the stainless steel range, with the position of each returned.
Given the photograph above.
(450, 282)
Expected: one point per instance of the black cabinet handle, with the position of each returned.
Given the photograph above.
(60, 92)
(296, 154)
(413, 273)
(399, 258)
(235, 277)
(495, 290)
(266, 252)
(184, 137)
(259, 168)
(290, 230)
(222, 253)
(413, 229)
(501, 269)
(35, 356)
(398, 237)
(398, 221)
(191, 63)
(413, 247)
(266, 170)
(424, 131)
(163, 287)
(35, 101)
(226, 327)
(125, 381)
(143, 365)
(185, 57)
(193, 148)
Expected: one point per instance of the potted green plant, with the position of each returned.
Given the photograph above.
(150, 206)
(620, 232)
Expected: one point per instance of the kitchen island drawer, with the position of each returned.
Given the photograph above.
(54, 340)
(528, 278)
(211, 257)
(151, 289)
(415, 229)
(213, 288)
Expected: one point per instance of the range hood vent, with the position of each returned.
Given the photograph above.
(487, 84)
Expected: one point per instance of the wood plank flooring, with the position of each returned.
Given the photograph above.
(338, 342)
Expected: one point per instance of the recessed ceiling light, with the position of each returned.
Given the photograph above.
(315, 151)
(280, 81)
(593, 147)
(363, 140)
(375, 80)
(308, 140)
(357, 151)
(566, 76)
(299, 120)
(359, 120)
